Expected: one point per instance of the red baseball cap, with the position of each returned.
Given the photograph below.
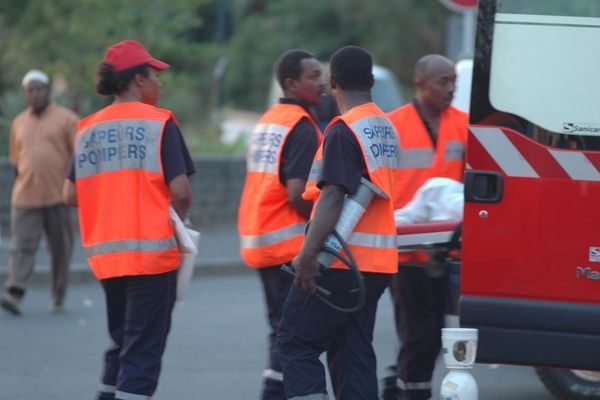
(131, 53)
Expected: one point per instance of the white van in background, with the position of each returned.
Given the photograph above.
(464, 75)
(386, 91)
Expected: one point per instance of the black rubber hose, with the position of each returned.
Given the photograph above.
(350, 262)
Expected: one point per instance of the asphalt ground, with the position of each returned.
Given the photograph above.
(216, 348)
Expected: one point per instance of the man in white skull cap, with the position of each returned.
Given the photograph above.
(41, 149)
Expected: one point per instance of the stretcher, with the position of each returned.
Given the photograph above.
(429, 236)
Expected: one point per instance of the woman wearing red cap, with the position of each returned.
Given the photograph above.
(131, 163)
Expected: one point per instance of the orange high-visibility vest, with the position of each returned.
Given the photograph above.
(271, 230)
(373, 241)
(419, 160)
(122, 195)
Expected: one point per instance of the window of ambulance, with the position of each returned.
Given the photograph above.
(534, 48)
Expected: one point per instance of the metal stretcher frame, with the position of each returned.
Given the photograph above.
(429, 235)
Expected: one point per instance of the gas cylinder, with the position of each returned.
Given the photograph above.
(459, 347)
(459, 385)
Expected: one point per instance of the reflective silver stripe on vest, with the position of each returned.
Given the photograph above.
(104, 388)
(412, 385)
(265, 145)
(455, 150)
(131, 396)
(130, 245)
(318, 396)
(379, 141)
(372, 240)
(416, 158)
(315, 170)
(117, 145)
(267, 239)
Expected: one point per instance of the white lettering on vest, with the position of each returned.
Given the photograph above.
(120, 144)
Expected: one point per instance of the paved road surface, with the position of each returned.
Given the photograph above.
(216, 349)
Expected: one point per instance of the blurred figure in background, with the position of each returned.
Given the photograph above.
(272, 214)
(41, 149)
(131, 164)
(433, 136)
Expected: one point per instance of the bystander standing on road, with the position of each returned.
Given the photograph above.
(41, 148)
(272, 215)
(131, 164)
(433, 136)
(308, 326)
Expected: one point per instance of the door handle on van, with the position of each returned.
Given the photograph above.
(483, 186)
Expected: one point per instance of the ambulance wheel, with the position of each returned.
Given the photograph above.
(571, 384)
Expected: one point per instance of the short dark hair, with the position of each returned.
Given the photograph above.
(289, 65)
(111, 82)
(351, 67)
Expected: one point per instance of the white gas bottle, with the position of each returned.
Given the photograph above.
(459, 385)
(459, 346)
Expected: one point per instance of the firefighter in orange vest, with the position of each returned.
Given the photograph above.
(131, 163)
(359, 143)
(433, 136)
(272, 214)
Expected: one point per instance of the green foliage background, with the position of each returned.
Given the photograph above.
(67, 39)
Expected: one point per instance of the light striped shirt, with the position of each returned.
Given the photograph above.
(41, 149)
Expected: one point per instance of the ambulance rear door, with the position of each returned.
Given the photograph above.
(530, 279)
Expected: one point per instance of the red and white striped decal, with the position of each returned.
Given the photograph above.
(504, 152)
(519, 156)
(576, 165)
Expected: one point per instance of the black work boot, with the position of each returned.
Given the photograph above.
(389, 389)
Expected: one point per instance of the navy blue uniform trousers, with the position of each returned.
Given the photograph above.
(309, 327)
(420, 302)
(276, 285)
(139, 318)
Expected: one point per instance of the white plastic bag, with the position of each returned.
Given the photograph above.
(187, 241)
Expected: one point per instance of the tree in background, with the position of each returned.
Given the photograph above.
(396, 32)
(67, 38)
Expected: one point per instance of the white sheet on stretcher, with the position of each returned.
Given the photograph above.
(439, 199)
(432, 215)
